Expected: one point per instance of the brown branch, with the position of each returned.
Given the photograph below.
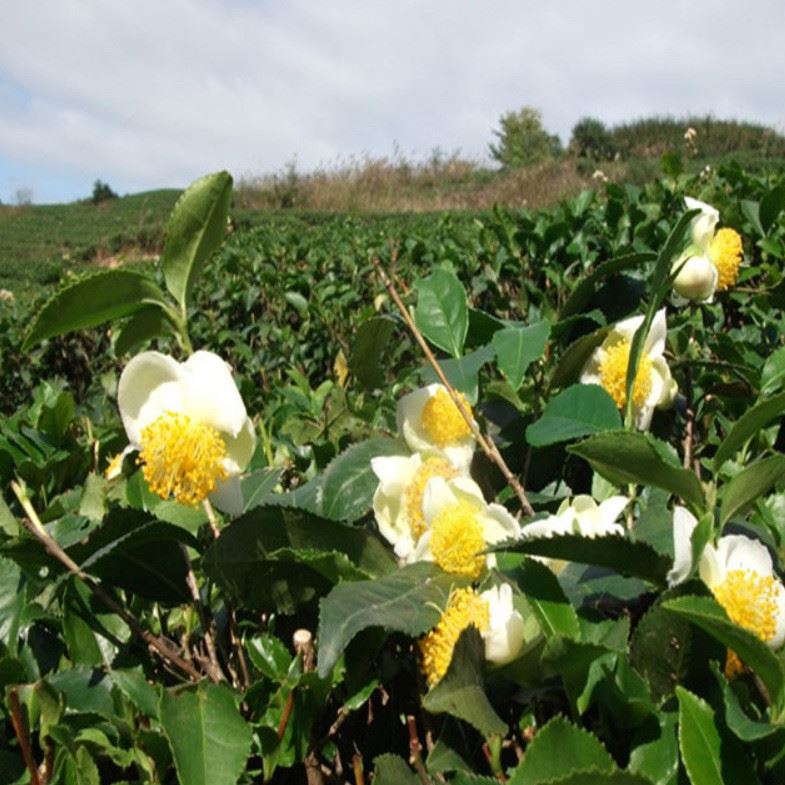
(36, 528)
(357, 766)
(285, 714)
(17, 720)
(415, 748)
(214, 672)
(487, 445)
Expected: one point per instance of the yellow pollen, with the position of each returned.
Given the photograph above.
(431, 467)
(726, 251)
(465, 608)
(613, 375)
(750, 601)
(456, 540)
(442, 420)
(182, 458)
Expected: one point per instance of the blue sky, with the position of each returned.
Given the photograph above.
(150, 94)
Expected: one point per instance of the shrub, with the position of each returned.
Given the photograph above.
(102, 192)
(523, 140)
(591, 139)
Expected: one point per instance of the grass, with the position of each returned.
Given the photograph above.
(38, 242)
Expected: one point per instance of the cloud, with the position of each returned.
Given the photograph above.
(148, 94)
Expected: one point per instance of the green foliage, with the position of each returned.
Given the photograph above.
(591, 139)
(522, 139)
(102, 192)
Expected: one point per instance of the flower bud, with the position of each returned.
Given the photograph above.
(504, 636)
(697, 278)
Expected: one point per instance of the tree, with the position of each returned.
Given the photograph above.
(101, 192)
(591, 139)
(523, 140)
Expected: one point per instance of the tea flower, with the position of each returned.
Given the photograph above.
(711, 262)
(429, 421)
(189, 424)
(491, 612)
(740, 574)
(654, 387)
(460, 525)
(581, 516)
(397, 503)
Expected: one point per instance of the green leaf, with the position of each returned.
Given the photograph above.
(146, 324)
(132, 682)
(699, 740)
(195, 230)
(517, 347)
(751, 210)
(98, 298)
(460, 692)
(625, 457)
(269, 557)
(12, 603)
(257, 486)
(344, 490)
(461, 373)
(209, 738)
(560, 750)
(659, 287)
(582, 293)
(370, 343)
(711, 617)
(93, 505)
(598, 777)
(772, 376)
(408, 600)
(616, 552)
(577, 411)
(749, 484)
(571, 363)
(442, 312)
(656, 753)
(771, 206)
(748, 425)
(389, 769)
(546, 598)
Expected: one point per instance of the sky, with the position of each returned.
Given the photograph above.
(154, 93)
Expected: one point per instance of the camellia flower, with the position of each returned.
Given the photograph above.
(494, 616)
(711, 262)
(740, 574)
(429, 421)
(653, 388)
(581, 516)
(189, 424)
(460, 525)
(397, 503)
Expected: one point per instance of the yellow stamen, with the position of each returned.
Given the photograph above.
(442, 420)
(726, 251)
(750, 601)
(456, 540)
(465, 608)
(182, 458)
(613, 375)
(431, 467)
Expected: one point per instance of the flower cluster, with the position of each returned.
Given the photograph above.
(429, 508)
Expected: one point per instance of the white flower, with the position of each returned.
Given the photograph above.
(460, 525)
(190, 426)
(654, 387)
(581, 516)
(504, 635)
(739, 573)
(397, 503)
(697, 278)
(429, 421)
(703, 225)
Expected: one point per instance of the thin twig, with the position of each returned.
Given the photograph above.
(214, 672)
(285, 714)
(36, 528)
(17, 720)
(208, 508)
(357, 766)
(487, 445)
(415, 748)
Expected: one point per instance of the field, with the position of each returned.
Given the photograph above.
(578, 580)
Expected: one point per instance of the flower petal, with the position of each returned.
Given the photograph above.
(211, 395)
(684, 523)
(504, 636)
(409, 416)
(744, 553)
(654, 345)
(139, 381)
(228, 496)
(779, 635)
(395, 472)
(240, 448)
(498, 525)
(703, 225)
(437, 495)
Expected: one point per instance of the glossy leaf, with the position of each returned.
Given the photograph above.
(748, 425)
(750, 484)
(370, 344)
(699, 740)
(442, 312)
(517, 347)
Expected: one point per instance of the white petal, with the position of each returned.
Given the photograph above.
(703, 225)
(642, 417)
(240, 448)
(409, 416)
(684, 523)
(779, 635)
(504, 636)
(211, 395)
(228, 497)
(654, 345)
(697, 278)
(436, 496)
(591, 371)
(743, 553)
(422, 551)
(460, 454)
(624, 330)
(395, 472)
(467, 488)
(392, 522)
(611, 508)
(710, 568)
(498, 525)
(143, 375)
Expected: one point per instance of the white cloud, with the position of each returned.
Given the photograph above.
(147, 94)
